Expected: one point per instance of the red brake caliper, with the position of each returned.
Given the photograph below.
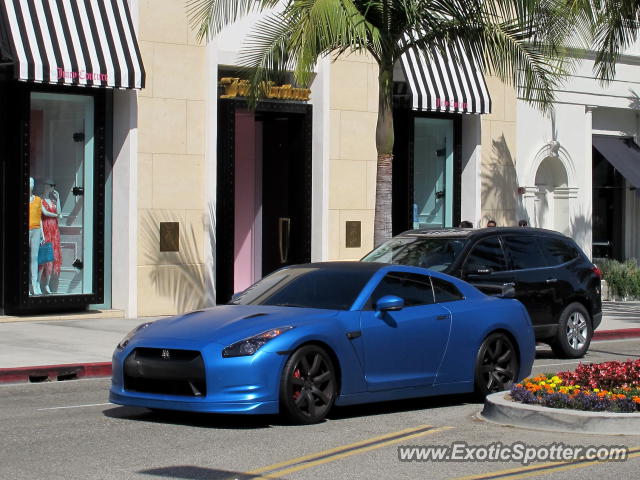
(296, 393)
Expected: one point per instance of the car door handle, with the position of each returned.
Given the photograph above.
(552, 280)
(442, 317)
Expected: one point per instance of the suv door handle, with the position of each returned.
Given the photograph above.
(552, 280)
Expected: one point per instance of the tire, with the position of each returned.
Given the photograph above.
(496, 366)
(574, 332)
(308, 385)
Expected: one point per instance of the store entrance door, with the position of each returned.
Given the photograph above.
(283, 195)
(264, 188)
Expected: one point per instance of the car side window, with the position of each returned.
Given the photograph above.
(445, 291)
(557, 250)
(524, 252)
(487, 254)
(413, 288)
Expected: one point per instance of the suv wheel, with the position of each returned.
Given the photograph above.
(574, 332)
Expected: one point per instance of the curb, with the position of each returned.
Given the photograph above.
(497, 409)
(47, 373)
(616, 334)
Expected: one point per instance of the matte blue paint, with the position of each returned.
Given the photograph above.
(414, 352)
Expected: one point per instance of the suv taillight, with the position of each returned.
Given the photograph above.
(597, 271)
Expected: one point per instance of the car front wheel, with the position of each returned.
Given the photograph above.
(496, 365)
(308, 386)
(574, 332)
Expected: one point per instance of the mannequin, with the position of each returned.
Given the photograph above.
(51, 210)
(36, 236)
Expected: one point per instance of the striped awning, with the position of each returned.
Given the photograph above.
(439, 84)
(72, 42)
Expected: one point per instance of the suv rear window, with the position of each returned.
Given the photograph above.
(524, 252)
(557, 250)
(486, 254)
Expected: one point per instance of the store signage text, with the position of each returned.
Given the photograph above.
(442, 103)
(82, 75)
(235, 87)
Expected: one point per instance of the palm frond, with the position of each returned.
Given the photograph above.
(209, 17)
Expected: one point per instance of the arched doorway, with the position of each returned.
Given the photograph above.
(552, 193)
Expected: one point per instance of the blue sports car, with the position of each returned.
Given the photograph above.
(310, 336)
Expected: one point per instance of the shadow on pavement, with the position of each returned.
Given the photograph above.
(396, 406)
(190, 472)
(194, 419)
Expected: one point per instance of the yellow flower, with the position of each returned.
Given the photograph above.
(596, 390)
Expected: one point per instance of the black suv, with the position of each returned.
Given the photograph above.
(550, 274)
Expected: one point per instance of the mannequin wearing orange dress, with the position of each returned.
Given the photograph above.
(36, 236)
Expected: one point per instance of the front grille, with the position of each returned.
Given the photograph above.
(165, 371)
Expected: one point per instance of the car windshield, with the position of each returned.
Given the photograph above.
(308, 287)
(434, 253)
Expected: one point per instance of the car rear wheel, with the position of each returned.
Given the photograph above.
(308, 387)
(496, 365)
(574, 332)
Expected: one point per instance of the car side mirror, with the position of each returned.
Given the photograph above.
(389, 303)
(508, 290)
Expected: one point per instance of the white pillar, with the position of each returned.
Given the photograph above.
(125, 203)
(585, 238)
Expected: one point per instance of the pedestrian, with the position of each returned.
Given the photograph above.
(465, 224)
(492, 223)
(523, 223)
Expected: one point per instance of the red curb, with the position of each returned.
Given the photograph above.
(55, 372)
(616, 334)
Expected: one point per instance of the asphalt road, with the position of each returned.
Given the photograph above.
(67, 430)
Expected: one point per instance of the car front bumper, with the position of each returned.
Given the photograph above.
(233, 385)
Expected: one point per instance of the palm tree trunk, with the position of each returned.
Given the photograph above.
(382, 229)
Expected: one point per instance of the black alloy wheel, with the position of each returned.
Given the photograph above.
(308, 386)
(574, 332)
(496, 365)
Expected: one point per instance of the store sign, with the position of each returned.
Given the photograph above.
(82, 75)
(235, 87)
(442, 103)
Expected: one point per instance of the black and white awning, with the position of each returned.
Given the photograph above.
(441, 85)
(73, 42)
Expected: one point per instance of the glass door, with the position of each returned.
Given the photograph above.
(433, 173)
(61, 217)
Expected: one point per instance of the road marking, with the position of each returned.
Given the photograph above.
(543, 468)
(77, 406)
(307, 461)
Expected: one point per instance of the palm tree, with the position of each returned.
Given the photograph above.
(519, 41)
(615, 24)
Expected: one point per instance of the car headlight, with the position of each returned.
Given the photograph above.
(125, 341)
(249, 346)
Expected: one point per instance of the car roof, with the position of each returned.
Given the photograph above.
(353, 266)
(478, 232)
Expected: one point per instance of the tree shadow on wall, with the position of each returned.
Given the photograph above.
(580, 228)
(179, 275)
(499, 184)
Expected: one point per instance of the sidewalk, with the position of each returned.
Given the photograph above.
(82, 347)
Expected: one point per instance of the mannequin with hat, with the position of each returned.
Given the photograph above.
(51, 210)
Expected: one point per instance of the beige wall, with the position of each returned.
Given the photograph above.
(352, 177)
(499, 184)
(171, 133)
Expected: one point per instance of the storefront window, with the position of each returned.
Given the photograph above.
(433, 173)
(61, 216)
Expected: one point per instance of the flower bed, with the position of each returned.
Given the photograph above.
(600, 387)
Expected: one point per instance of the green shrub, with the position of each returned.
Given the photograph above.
(623, 278)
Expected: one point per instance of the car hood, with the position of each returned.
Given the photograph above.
(227, 324)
